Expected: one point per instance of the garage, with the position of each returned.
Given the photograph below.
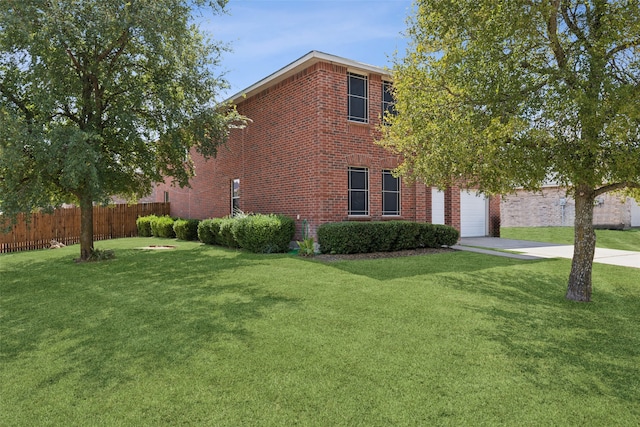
(635, 213)
(474, 211)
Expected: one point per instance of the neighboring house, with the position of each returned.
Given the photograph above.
(309, 153)
(553, 207)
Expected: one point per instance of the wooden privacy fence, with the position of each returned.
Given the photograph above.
(63, 225)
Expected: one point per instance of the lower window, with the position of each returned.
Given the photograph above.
(358, 191)
(390, 194)
(235, 196)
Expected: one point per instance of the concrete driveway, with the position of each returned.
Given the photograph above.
(535, 250)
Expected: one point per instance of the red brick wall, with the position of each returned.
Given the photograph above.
(452, 207)
(494, 216)
(293, 158)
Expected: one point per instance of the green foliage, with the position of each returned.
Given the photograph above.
(345, 237)
(226, 237)
(499, 95)
(209, 231)
(306, 247)
(442, 235)
(362, 237)
(505, 95)
(186, 229)
(104, 97)
(256, 233)
(264, 233)
(143, 224)
(162, 226)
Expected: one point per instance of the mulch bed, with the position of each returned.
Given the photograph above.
(377, 255)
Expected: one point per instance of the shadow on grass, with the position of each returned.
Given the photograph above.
(586, 349)
(409, 266)
(111, 322)
(589, 349)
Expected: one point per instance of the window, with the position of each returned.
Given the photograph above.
(358, 191)
(235, 196)
(390, 194)
(358, 98)
(388, 103)
(166, 197)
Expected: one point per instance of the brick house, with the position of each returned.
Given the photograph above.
(309, 153)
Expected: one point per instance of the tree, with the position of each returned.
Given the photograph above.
(506, 94)
(101, 98)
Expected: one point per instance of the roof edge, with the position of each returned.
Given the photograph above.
(312, 57)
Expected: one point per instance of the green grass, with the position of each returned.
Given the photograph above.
(207, 336)
(611, 239)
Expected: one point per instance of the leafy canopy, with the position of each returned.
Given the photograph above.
(104, 97)
(499, 94)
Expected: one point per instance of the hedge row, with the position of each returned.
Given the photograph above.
(186, 229)
(256, 233)
(362, 237)
(165, 226)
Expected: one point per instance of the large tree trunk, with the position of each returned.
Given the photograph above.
(579, 287)
(86, 227)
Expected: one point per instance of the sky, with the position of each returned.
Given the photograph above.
(266, 35)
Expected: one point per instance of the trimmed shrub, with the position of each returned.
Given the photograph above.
(162, 226)
(264, 233)
(346, 237)
(446, 235)
(407, 236)
(204, 232)
(384, 235)
(361, 237)
(225, 234)
(186, 229)
(428, 236)
(143, 224)
(215, 229)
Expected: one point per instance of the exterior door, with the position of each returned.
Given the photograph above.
(437, 206)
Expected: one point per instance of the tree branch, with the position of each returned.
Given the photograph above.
(21, 104)
(68, 114)
(571, 23)
(623, 46)
(552, 33)
(616, 186)
(118, 45)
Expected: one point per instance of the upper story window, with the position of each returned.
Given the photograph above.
(358, 191)
(388, 103)
(390, 193)
(358, 98)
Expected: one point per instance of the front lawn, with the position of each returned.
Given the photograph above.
(628, 240)
(200, 335)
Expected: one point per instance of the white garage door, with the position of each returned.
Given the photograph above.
(473, 214)
(635, 213)
(437, 206)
